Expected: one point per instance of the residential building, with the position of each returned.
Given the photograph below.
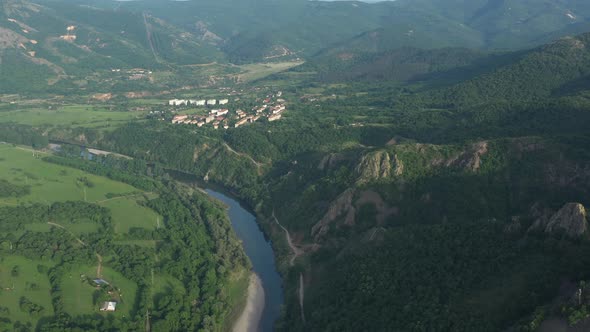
(108, 306)
(274, 117)
(179, 118)
(241, 122)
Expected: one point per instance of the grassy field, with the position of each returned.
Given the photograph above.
(26, 282)
(129, 214)
(53, 183)
(70, 116)
(256, 71)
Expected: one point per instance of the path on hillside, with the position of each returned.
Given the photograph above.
(74, 235)
(243, 155)
(296, 250)
(148, 33)
(296, 253)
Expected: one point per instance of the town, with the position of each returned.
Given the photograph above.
(270, 108)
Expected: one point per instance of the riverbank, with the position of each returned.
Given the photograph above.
(249, 320)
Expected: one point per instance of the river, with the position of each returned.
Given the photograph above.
(261, 255)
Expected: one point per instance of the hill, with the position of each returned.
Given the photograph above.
(555, 69)
(254, 30)
(55, 44)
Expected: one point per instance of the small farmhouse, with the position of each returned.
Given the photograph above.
(108, 306)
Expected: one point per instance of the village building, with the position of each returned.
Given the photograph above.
(274, 117)
(109, 306)
(211, 102)
(177, 102)
(210, 118)
(223, 101)
(100, 282)
(179, 118)
(241, 122)
(201, 102)
(277, 109)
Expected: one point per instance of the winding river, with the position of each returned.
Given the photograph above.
(260, 252)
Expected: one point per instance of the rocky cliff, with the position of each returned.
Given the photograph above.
(569, 220)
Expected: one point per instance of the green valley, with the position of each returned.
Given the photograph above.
(416, 165)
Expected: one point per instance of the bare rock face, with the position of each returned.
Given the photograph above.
(378, 165)
(570, 220)
(471, 158)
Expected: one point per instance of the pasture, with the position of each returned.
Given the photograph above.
(256, 71)
(20, 277)
(54, 183)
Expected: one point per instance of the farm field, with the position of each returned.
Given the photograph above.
(55, 183)
(256, 71)
(70, 116)
(20, 277)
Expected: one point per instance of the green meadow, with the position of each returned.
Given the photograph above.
(54, 183)
(20, 277)
(256, 71)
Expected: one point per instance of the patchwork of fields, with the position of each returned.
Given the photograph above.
(26, 278)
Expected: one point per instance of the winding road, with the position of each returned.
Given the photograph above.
(296, 250)
(296, 253)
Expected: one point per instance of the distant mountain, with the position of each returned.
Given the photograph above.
(352, 37)
(46, 43)
(269, 29)
(401, 65)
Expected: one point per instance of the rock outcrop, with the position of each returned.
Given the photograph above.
(569, 220)
(471, 158)
(378, 165)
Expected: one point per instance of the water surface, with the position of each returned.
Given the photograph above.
(261, 255)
